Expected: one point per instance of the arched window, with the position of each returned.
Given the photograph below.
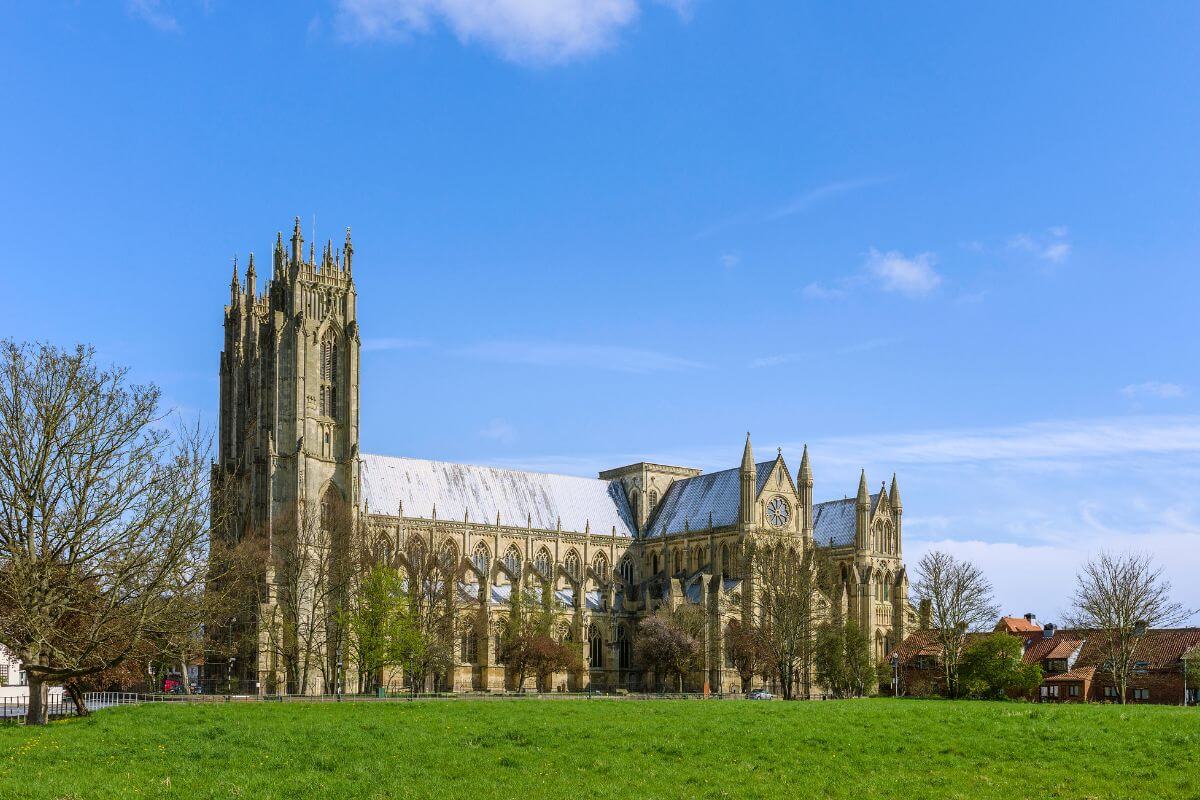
(595, 648)
(512, 560)
(480, 558)
(499, 641)
(622, 648)
(542, 563)
(654, 564)
(564, 633)
(571, 565)
(600, 567)
(652, 499)
(329, 375)
(725, 560)
(448, 557)
(625, 569)
(470, 645)
(635, 504)
(678, 561)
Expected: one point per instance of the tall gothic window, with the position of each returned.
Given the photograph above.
(329, 374)
(571, 565)
(600, 567)
(623, 649)
(653, 501)
(625, 569)
(595, 648)
(512, 561)
(480, 558)
(542, 563)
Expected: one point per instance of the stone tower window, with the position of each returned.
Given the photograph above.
(595, 648)
(625, 569)
(571, 565)
(653, 501)
(542, 563)
(512, 561)
(329, 374)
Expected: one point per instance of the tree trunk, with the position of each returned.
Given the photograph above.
(39, 698)
(184, 677)
(77, 697)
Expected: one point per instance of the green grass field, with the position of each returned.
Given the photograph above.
(532, 749)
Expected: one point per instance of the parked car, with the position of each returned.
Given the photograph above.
(760, 694)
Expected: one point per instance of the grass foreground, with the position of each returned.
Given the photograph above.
(532, 749)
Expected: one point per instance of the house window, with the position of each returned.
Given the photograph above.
(1193, 696)
(924, 662)
(21, 678)
(1073, 690)
(1110, 693)
(1141, 694)
(1050, 691)
(3, 674)
(1056, 665)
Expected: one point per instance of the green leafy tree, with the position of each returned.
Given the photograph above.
(381, 633)
(843, 659)
(1191, 669)
(991, 668)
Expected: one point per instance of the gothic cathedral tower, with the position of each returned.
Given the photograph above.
(288, 432)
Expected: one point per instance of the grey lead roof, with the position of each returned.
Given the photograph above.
(833, 521)
(687, 504)
(482, 493)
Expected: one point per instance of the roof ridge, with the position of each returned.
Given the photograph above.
(488, 466)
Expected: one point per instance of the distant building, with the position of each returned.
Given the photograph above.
(612, 549)
(1072, 663)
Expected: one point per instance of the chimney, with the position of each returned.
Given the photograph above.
(1048, 631)
(1031, 618)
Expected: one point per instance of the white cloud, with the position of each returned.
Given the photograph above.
(499, 431)
(525, 31)
(602, 357)
(1163, 391)
(810, 198)
(818, 291)
(914, 276)
(387, 343)
(730, 260)
(1052, 247)
(774, 361)
(788, 358)
(152, 13)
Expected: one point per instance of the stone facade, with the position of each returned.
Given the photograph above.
(613, 548)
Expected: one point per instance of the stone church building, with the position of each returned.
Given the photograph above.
(613, 548)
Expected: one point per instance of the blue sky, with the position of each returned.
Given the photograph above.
(957, 241)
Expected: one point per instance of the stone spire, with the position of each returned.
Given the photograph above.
(894, 494)
(235, 286)
(251, 280)
(297, 242)
(804, 487)
(806, 476)
(749, 482)
(862, 513)
(349, 250)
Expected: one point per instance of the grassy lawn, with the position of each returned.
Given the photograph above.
(533, 749)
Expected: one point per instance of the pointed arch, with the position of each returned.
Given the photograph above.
(725, 571)
(512, 561)
(595, 647)
(625, 569)
(481, 558)
(600, 567)
(571, 565)
(543, 564)
(448, 556)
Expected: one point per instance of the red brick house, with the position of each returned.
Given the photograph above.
(1071, 661)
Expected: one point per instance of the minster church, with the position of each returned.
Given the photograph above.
(609, 549)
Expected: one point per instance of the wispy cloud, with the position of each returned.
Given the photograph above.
(1052, 246)
(789, 358)
(523, 31)
(730, 260)
(1055, 439)
(152, 13)
(499, 430)
(387, 343)
(912, 276)
(597, 357)
(819, 291)
(812, 197)
(1162, 391)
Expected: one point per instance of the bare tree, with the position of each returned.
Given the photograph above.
(100, 511)
(961, 601)
(745, 647)
(432, 587)
(787, 610)
(1117, 598)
